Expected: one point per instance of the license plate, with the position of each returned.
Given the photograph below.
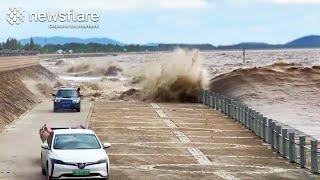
(66, 105)
(81, 172)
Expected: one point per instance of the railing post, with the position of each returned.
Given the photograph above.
(246, 115)
(250, 119)
(235, 110)
(258, 124)
(259, 127)
(221, 101)
(314, 156)
(238, 108)
(203, 97)
(241, 113)
(229, 107)
(232, 109)
(302, 143)
(284, 142)
(278, 131)
(226, 106)
(218, 102)
(264, 129)
(210, 100)
(269, 131)
(291, 147)
(215, 102)
(222, 104)
(238, 113)
(273, 128)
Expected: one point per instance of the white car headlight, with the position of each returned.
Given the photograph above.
(56, 100)
(76, 101)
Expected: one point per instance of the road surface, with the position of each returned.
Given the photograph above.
(184, 141)
(151, 141)
(20, 142)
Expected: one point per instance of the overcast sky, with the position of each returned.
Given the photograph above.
(177, 21)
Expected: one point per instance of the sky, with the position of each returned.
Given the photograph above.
(219, 22)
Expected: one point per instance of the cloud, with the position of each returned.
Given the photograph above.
(109, 4)
(297, 1)
(184, 4)
(245, 3)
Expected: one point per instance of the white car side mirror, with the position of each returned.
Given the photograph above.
(44, 146)
(106, 145)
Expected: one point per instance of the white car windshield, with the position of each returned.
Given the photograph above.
(67, 93)
(76, 141)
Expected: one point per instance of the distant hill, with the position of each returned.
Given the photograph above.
(248, 45)
(66, 40)
(307, 41)
(312, 41)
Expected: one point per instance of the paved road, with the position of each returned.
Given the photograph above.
(20, 143)
(184, 141)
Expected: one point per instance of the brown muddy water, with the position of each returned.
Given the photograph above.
(281, 84)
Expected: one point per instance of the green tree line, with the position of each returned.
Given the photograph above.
(13, 44)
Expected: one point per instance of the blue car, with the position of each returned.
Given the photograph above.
(67, 99)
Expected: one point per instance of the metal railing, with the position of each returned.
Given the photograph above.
(283, 140)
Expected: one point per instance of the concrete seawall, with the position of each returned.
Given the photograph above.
(15, 96)
(16, 62)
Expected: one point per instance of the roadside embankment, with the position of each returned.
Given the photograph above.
(18, 94)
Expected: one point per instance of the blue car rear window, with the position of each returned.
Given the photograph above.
(67, 93)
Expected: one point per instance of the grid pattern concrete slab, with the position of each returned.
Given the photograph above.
(184, 141)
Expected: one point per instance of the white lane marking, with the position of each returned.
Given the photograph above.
(161, 113)
(195, 152)
(225, 175)
(169, 123)
(154, 105)
(181, 136)
(199, 156)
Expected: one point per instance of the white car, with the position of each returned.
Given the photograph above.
(74, 154)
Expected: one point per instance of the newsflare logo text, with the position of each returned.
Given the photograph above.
(66, 19)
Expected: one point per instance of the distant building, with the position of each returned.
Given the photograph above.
(60, 51)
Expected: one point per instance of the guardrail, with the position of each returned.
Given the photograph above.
(282, 139)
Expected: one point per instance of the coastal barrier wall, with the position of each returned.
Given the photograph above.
(16, 62)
